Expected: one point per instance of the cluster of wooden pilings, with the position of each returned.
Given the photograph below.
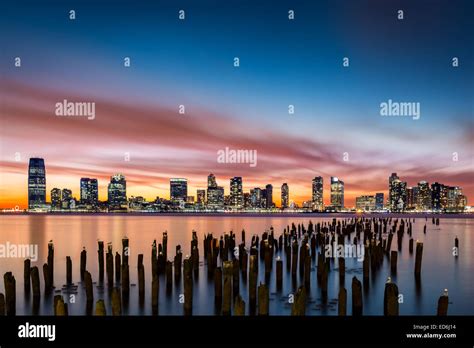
(228, 264)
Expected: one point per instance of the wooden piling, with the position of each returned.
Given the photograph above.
(118, 267)
(51, 263)
(125, 281)
(443, 305)
(35, 283)
(298, 307)
(68, 270)
(227, 300)
(60, 308)
(2, 305)
(10, 293)
(218, 287)
(100, 308)
(83, 263)
(239, 306)
(155, 287)
(125, 250)
(47, 280)
(263, 299)
(116, 302)
(89, 290)
(342, 302)
(109, 265)
(390, 300)
(100, 255)
(418, 258)
(356, 297)
(27, 276)
(253, 275)
(342, 270)
(169, 276)
(279, 274)
(235, 279)
(188, 286)
(410, 246)
(393, 261)
(141, 279)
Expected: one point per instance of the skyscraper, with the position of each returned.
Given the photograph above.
(269, 196)
(67, 200)
(285, 196)
(89, 192)
(178, 189)
(412, 197)
(337, 193)
(424, 196)
(201, 197)
(397, 193)
(211, 181)
(215, 197)
(256, 198)
(56, 199)
(36, 184)
(365, 203)
(236, 193)
(317, 194)
(438, 196)
(117, 192)
(379, 201)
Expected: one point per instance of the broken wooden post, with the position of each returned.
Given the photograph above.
(263, 299)
(393, 261)
(356, 297)
(418, 258)
(155, 286)
(2, 305)
(35, 283)
(51, 263)
(169, 276)
(27, 276)
(410, 246)
(443, 304)
(235, 279)
(68, 271)
(89, 291)
(342, 270)
(60, 308)
(83, 263)
(188, 286)
(456, 245)
(100, 255)
(125, 250)
(279, 273)
(342, 302)
(116, 302)
(10, 293)
(298, 308)
(141, 279)
(125, 281)
(227, 299)
(118, 267)
(324, 282)
(253, 275)
(47, 280)
(218, 288)
(366, 265)
(294, 258)
(100, 308)
(390, 299)
(239, 306)
(109, 265)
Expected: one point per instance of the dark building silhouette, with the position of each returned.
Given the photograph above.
(36, 184)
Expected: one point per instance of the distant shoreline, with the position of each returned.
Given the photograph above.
(266, 215)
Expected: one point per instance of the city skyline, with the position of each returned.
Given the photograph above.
(420, 197)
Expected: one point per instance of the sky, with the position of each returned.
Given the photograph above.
(336, 128)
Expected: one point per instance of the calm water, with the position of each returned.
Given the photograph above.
(70, 233)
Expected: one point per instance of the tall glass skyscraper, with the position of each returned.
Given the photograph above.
(178, 189)
(36, 184)
(269, 196)
(89, 192)
(317, 194)
(236, 192)
(117, 192)
(285, 196)
(337, 193)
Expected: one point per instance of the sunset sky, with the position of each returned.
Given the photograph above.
(282, 62)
